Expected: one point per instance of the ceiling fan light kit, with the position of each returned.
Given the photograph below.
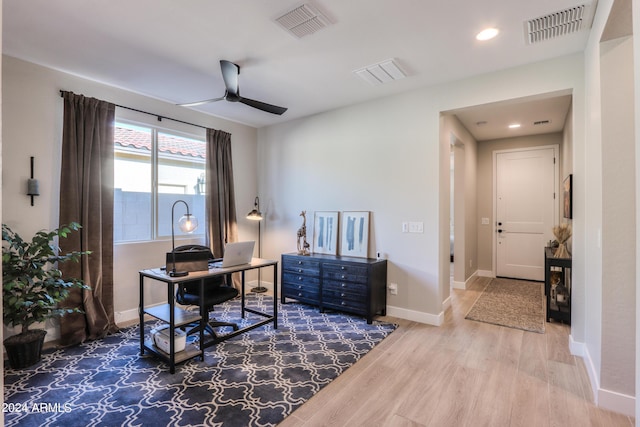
(230, 72)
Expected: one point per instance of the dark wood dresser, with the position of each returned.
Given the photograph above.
(349, 284)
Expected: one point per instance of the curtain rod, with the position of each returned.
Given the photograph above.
(151, 114)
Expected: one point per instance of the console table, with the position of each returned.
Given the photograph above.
(558, 292)
(177, 317)
(350, 284)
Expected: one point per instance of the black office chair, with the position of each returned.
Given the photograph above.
(215, 292)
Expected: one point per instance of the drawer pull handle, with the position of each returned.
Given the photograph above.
(299, 286)
(343, 303)
(343, 295)
(343, 276)
(299, 270)
(343, 267)
(299, 294)
(299, 278)
(344, 285)
(299, 262)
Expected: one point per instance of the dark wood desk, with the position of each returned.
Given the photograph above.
(177, 317)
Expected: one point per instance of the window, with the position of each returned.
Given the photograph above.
(152, 169)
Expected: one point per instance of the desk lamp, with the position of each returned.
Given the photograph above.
(256, 215)
(187, 223)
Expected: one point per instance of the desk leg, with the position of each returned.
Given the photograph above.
(204, 319)
(172, 329)
(141, 314)
(242, 293)
(275, 296)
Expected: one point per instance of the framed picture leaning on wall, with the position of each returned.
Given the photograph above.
(355, 234)
(568, 197)
(325, 233)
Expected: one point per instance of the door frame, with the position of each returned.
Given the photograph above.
(556, 205)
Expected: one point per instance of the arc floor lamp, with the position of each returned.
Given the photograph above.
(187, 223)
(256, 215)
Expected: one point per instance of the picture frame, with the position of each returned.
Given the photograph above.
(325, 232)
(568, 196)
(355, 234)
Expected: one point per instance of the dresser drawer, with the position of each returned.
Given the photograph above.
(301, 266)
(356, 289)
(301, 293)
(343, 301)
(295, 279)
(347, 273)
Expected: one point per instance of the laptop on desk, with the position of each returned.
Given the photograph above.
(236, 253)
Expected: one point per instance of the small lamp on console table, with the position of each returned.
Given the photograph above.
(187, 223)
(256, 215)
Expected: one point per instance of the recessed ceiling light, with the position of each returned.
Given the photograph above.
(487, 34)
(514, 126)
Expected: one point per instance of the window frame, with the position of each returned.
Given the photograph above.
(155, 130)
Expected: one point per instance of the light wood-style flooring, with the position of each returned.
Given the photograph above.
(463, 373)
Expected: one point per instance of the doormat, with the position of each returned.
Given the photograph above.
(512, 303)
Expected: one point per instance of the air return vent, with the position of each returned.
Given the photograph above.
(303, 21)
(541, 122)
(560, 23)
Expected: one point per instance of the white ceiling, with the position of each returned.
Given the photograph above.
(170, 50)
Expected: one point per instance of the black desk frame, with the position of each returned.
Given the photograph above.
(176, 317)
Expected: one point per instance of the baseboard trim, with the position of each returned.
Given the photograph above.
(416, 316)
(486, 273)
(617, 402)
(605, 399)
(465, 285)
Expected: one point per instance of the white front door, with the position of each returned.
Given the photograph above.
(526, 210)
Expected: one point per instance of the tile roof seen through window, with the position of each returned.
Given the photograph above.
(137, 139)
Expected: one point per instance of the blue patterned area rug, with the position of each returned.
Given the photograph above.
(255, 379)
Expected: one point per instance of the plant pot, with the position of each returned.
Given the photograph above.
(25, 349)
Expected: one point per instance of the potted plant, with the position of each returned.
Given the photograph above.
(32, 287)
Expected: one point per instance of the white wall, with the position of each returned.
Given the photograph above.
(32, 120)
(386, 156)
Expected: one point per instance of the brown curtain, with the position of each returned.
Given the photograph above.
(221, 199)
(86, 197)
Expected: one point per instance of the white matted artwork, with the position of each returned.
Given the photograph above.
(325, 233)
(355, 234)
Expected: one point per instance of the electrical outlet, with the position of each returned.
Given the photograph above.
(393, 288)
(405, 227)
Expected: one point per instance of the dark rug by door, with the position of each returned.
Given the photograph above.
(513, 303)
(255, 379)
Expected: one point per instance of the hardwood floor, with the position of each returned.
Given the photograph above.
(463, 373)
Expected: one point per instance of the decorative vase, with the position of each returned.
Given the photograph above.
(25, 350)
(562, 251)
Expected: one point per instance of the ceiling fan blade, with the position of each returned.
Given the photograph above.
(206, 101)
(230, 73)
(273, 109)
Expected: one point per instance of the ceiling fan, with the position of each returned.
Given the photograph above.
(230, 72)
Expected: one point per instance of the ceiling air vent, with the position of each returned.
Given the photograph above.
(560, 23)
(382, 72)
(303, 21)
(541, 122)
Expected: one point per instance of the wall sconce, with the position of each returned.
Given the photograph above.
(32, 185)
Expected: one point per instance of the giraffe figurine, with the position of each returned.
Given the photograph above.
(303, 245)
